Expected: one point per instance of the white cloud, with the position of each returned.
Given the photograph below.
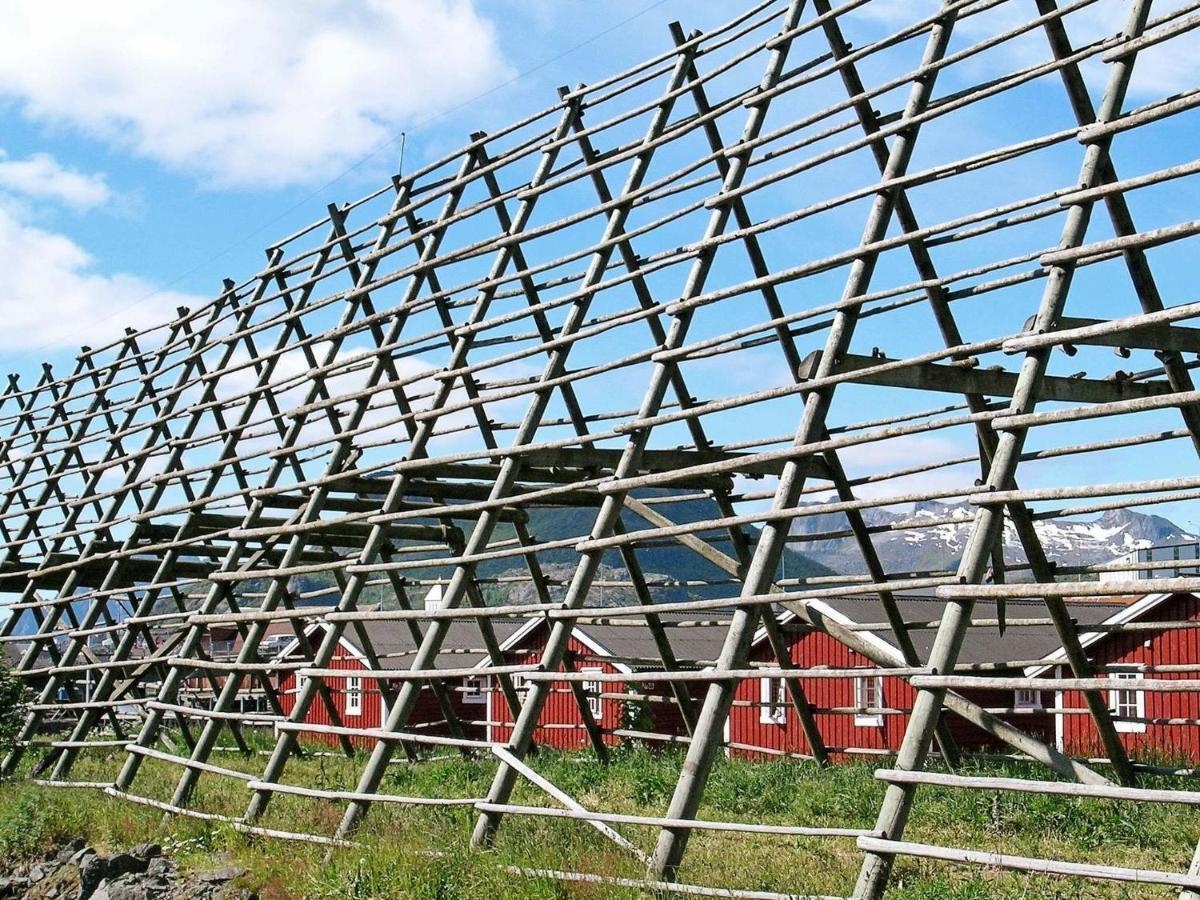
(894, 454)
(53, 297)
(267, 94)
(42, 177)
(1160, 71)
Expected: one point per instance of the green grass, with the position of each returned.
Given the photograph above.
(419, 852)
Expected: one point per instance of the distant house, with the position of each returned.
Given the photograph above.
(636, 709)
(1154, 723)
(1171, 555)
(13, 653)
(867, 715)
(358, 698)
(223, 644)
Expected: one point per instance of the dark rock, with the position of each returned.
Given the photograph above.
(67, 853)
(92, 870)
(225, 873)
(146, 851)
(125, 864)
(127, 889)
(76, 872)
(160, 867)
(61, 884)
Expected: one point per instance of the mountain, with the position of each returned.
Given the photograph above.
(661, 560)
(27, 624)
(939, 546)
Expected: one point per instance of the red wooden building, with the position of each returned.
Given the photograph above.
(623, 710)
(867, 715)
(861, 716)
(361, 700)
(1150, 723)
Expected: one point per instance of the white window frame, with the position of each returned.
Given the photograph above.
(861, 717)
(299, 684)
(473, 691)
(520, 685)
(1120, 707)
(354, 696)
(772, 693)
(1027, 699)
(594, 689)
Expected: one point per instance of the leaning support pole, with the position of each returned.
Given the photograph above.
(702, 750)
(833, 464)
(546, 373)
(897, 803)
(507, 477)
(556, 644)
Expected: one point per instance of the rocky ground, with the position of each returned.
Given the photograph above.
(78, 872)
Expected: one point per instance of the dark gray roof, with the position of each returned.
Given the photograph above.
(463, 646)
(984, 643)
(692, 639)
(624, 637)
(699, 640)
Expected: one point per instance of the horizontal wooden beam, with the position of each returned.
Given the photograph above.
(565, 465)
(654, 460)
(356, 504)
(340, 533)
(991, 382)
(1142, 337)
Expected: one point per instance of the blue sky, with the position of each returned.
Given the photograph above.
(154, 148)
(151, 150)
(167, 175)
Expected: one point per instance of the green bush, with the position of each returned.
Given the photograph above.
(13, 697)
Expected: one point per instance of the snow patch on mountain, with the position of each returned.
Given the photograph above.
(932, 536)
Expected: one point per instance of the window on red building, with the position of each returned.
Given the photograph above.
(868, 698)
(1126, 703)
(521, 685)
(594, 689)
(473, 690)
(773, 695)
(1026, 699)
(354, 696)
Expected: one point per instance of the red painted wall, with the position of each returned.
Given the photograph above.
(426, 717)
(561, 724)
(840, 731)
(1172, 647)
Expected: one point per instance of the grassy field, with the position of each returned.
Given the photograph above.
(392, 858)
